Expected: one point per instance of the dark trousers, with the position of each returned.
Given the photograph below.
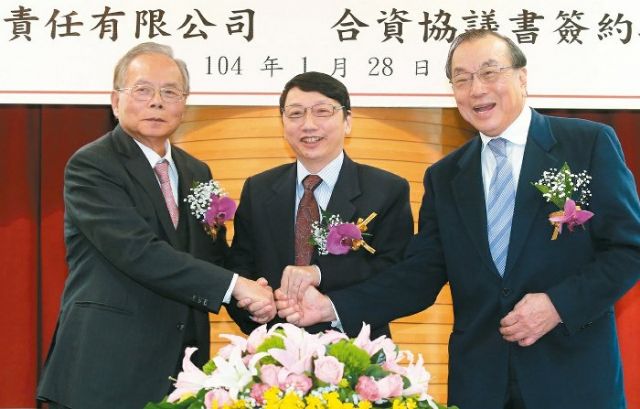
(513, 398)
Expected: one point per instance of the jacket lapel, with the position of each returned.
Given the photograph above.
(468, 191)
(138, 167)
(538, 157)
(280, 208)
(347, 188)
(185, 183)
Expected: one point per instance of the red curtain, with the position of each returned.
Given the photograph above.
(36, 142)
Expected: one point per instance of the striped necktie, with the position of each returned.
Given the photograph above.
(500, 203)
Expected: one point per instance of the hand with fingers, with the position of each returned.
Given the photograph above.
(296, 279)
(314, 307)
(531, 318)
(257, 298)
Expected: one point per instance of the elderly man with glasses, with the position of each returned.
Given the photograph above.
(533, 303)
(277, 208)
(142, 271)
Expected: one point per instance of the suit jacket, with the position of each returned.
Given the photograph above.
(263, 242)
(577, 364)
(132, 301)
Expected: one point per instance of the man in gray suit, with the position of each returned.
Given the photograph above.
(142, 277)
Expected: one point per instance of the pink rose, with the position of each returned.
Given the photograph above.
(390, 386)
(368, 389)
(269, 374)
(300, 383)
(328, 369)
(216, 398)
(257, 392)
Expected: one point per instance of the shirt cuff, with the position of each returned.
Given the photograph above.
(319, 273)
(227, 295)
(336, 323)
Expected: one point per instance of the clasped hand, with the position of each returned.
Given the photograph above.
(297, 300)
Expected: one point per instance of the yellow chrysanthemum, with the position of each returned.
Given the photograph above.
(364, 404)
(398, 404)
(344, 383)
(411, 403)
(291, 401)
(313, 402)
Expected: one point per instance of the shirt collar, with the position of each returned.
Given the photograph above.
(329, 173)
(517, 132)
(153, 157)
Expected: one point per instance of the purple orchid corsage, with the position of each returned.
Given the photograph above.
(333, 236)
(560, 188)
(211, 205)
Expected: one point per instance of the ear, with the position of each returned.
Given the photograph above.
(115, 101)
(347, 123)
(523, 79)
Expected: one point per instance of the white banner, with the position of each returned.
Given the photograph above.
(582, 53)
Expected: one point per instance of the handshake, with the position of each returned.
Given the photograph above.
(297, 300)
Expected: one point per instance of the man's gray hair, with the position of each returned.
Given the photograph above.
(518, 59)
(148, 48)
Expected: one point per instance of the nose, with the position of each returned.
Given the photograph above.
(308, 120)
(477, 87)
(156, 99)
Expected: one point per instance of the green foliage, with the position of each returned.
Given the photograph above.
(209, 367)
(355, 360)
(273, 341)
(376, 372)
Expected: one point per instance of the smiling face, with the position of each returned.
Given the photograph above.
(490, 107)
(315, 140)
(150, 122)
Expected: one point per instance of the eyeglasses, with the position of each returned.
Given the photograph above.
(144, 93)
(486, 75)
(318, 110)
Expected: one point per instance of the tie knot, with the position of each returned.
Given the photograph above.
(162, 170)
(499, 147)
(311, 182)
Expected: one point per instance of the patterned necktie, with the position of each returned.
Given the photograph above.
(500, 203)
(162, 171)
(307, 214)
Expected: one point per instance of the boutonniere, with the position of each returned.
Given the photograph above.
(566, 190)
(210, 205)
(333, 236)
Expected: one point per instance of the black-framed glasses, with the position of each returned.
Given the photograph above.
(486, 75)
(322, 110)
(145, 92)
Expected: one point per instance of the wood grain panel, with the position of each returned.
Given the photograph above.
(237, 142)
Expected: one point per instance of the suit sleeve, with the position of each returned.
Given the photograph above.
(404, 288)
(99, 204)
(615, 230)
(241, 258)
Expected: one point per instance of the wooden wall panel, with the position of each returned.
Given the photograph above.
(237, 142)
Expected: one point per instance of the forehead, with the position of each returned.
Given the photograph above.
(153, 68)
(298, 96)
(474, 54)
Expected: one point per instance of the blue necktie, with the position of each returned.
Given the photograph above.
(500, 202)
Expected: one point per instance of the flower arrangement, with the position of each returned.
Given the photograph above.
(210, 205)
(333, 236)
(288, 368)
(564, 189)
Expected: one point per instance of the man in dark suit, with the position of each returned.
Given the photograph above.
(316, 116)
(534, 323)
(142, 276)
